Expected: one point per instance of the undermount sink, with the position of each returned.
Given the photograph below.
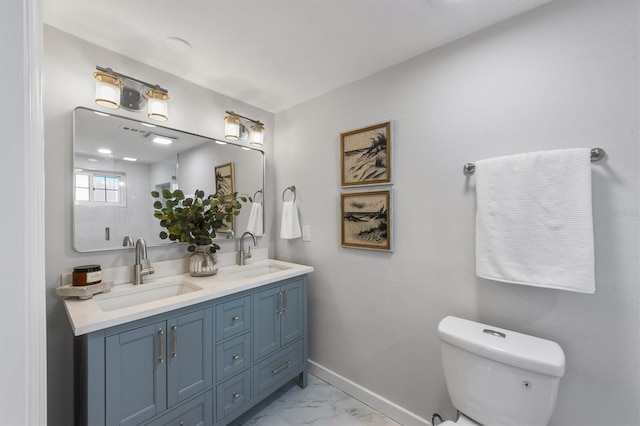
(250, 271)
(143, 293)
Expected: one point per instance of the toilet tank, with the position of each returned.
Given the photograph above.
(497, 376)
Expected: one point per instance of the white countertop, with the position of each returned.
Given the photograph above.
(86, 316)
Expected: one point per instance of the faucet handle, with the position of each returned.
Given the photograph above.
(247, 255)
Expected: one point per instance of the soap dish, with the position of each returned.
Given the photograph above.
(84, 291)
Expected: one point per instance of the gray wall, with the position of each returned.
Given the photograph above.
(68, 65)
(564, 75)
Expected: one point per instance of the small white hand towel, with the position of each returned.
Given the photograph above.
(290, 225)
(534, 222)
(255, 220)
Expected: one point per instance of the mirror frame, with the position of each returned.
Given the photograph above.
(219, 237)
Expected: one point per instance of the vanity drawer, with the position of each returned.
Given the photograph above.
(233, 356)
(233, 394)
(195, 412)
(233, 317)
(276, 368)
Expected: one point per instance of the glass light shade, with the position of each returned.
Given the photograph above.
(257, 134)
(231, 127)
(107, 90)
(157, 105)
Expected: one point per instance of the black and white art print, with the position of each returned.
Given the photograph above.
(366, 219)
(366, 155)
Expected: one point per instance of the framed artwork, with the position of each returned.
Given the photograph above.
(225, 183)
(365, 155)
(225, 178)
(366, 219)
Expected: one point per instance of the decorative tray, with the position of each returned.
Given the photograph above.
(84, 291)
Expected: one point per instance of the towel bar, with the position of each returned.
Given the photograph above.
(597, 154)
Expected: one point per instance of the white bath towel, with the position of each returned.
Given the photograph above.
(534, 222)
(255, 220)
(290, 225)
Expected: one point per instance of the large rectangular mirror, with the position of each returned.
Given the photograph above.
(118, 161)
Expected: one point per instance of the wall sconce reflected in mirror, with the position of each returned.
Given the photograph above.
(115, 90)
(234, 129)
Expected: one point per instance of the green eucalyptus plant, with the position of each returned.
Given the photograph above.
(194, 220)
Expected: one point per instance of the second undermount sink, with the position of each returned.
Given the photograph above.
(143, 293)
(252, 271)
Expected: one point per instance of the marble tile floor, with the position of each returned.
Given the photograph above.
(319, 404)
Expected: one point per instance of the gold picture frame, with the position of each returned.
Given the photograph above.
(225, 183)
(365, 155)
(225, 179)
(366, 219)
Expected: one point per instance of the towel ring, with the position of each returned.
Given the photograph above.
(259, 191)
(291, 188)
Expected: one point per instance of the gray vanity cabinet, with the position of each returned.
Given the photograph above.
(154, 367)
(205, 364)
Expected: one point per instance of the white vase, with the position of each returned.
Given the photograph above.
(202, 262)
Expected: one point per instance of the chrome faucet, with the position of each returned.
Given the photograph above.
(140, 271)
(242, 256)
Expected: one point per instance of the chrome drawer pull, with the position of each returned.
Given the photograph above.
(235, 357)
(235, 318)
(236, 395)
(161, 344)
(174, 353)
(281, 368)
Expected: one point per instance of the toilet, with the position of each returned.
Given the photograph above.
(497, 376)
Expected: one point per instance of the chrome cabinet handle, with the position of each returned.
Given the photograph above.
(174, 353)
(161, 346)
(235, 357)
(286, 301)
(279, 307)
(236, 395)
(281, 368)
(235, 318)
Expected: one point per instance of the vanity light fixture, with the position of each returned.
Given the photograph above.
(234, 129)
(115, 90)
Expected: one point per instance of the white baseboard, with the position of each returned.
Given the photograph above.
(375, 401)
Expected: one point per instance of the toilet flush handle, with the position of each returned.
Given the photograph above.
(494, 333)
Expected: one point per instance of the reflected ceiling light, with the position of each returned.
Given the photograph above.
(115, 90)
(129, 159)
(104, 151)
(234, 129)
(162, 140)
(147, 124)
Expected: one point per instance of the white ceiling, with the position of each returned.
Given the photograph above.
(274, 54)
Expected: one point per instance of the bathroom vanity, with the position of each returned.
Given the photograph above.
(183, 350)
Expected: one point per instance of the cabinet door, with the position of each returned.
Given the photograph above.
(291, 319)
(266, 331)
(135, 375)
(189, 355)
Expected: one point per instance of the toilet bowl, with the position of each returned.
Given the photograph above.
(499, 377)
